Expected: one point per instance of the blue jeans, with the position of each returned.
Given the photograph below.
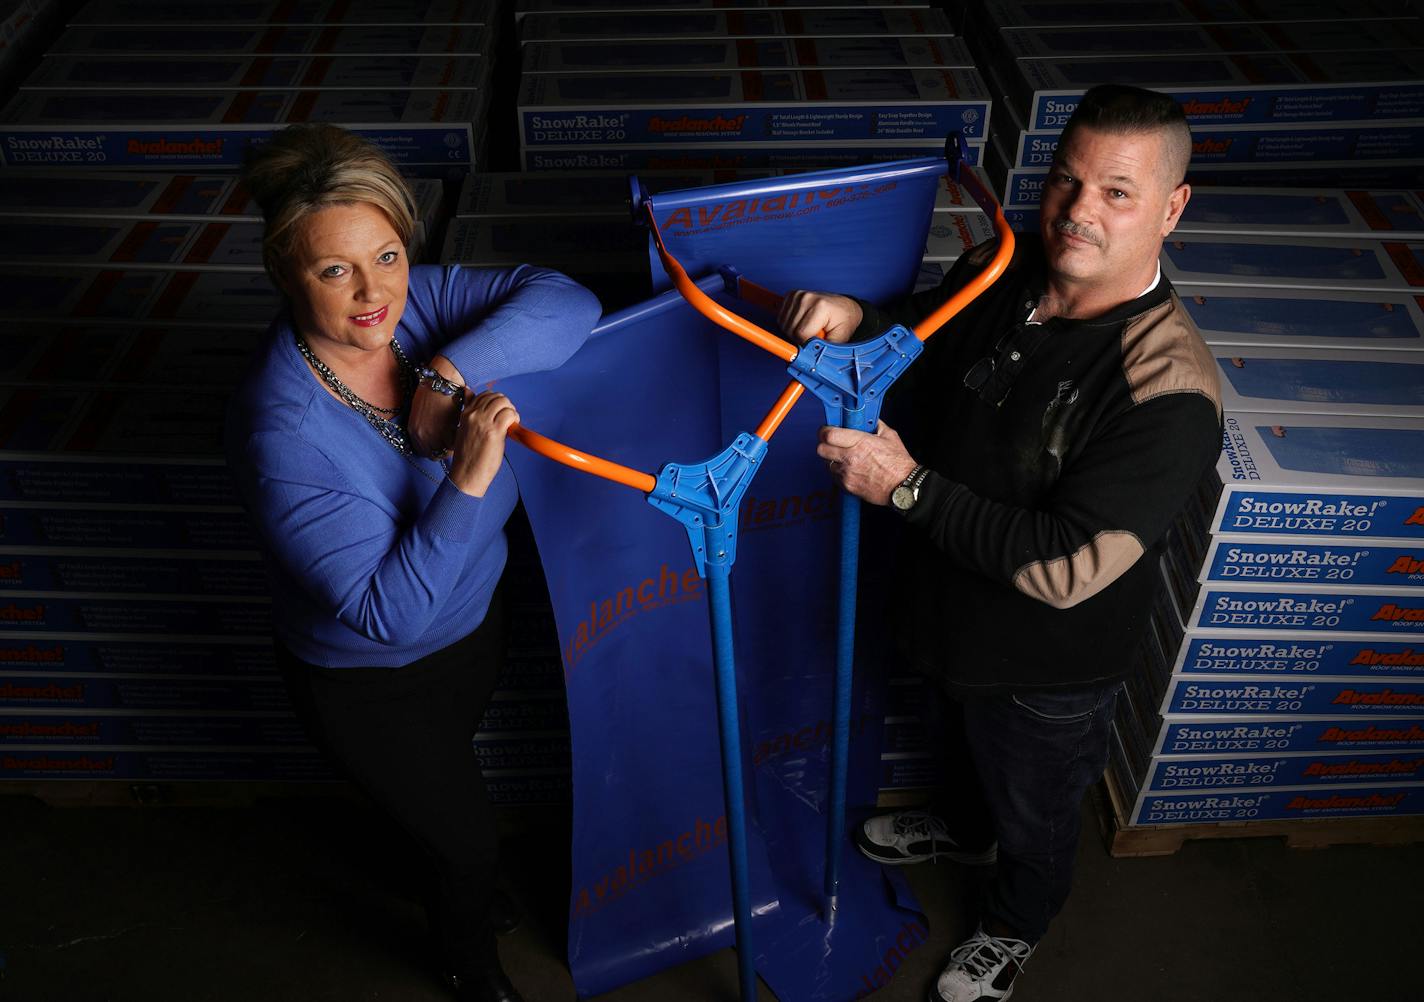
(1018, 765)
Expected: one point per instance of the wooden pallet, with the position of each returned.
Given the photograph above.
(1126, 841)
(122, 793)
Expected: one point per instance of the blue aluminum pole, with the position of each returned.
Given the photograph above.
(720, 606)
(841, 701)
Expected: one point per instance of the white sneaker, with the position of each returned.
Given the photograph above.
(913, 837)
(982, 967)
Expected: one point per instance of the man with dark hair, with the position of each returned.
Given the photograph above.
(1053, 431)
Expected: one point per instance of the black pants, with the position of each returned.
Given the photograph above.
(403, 736)
(1017, 767)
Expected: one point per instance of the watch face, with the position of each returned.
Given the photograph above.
(902, 497)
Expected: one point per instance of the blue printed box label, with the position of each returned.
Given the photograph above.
(1324, 514)
(1243, 105)
(1332, 697)
(1324, 657)
(737, 125)
(1248, 737)
(77, 654)
(1208, 808)
(1349, 613)
(1344, 564)
(1300, 770)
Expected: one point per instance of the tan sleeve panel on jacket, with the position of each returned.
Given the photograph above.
(1066, 581)
(1162, 352)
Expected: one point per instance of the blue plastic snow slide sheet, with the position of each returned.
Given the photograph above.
(659, 383)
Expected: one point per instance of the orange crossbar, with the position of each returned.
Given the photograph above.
(561, 453)
(765, 298)
(984, 279)
(710, 308)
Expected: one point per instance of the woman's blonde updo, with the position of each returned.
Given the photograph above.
(305, 168)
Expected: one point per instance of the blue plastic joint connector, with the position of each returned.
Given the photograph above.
(850, 380)
(705, 497)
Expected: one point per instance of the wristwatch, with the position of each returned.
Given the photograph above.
(904, 496)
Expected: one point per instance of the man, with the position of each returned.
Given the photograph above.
(1054, 430)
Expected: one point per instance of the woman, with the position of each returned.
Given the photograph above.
(380, 500)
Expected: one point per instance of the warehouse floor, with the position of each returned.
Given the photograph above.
(299, 900)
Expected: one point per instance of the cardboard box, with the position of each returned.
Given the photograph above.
(182, 298)
(1328, 87)
(841, 106)
(375, 40)
(590, 245)
(1347, 477)
(1173, 775)
(44, 613)
(228, 73)
(88, 529)
(1230, 317)
(1294, 143)
(1072, 42)
(1396, 215)
(41, 478)
(723, 54)
(162, 13)
(951, 235)
(183, 130)
(146, 574)
(523, 7)
(119, 357)
(1255, 735)
(843, 22)
(1022, 186)
(1262, 607)
(1341, 655)
(134, 423)
(1019, 14)
(60, 654)
(106, 194)
(1234, 696)
(789, 157)
(1217, 808)
(22, 695)
(1322, 381)
(1360, 264)
(132, 244)
(293, 765)
(1338, 563)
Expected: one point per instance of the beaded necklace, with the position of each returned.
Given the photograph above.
(388, 429)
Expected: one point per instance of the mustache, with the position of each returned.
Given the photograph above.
(1077, 230)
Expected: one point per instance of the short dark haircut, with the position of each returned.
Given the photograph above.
(1119, 108)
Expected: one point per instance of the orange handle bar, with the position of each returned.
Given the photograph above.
(710, 308)
(985, 278)
(561, 453)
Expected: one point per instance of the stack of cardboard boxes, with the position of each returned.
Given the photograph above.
(711, 85)
(1283, 677)
(151, 83)
(1324, 93)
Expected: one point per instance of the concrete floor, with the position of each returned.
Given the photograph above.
(266, 904)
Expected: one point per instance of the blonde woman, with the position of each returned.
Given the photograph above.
(378, 488)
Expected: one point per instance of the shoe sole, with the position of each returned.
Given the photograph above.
(986, 858)
(935, 996)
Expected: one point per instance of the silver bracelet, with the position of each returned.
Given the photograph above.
(440, 384)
